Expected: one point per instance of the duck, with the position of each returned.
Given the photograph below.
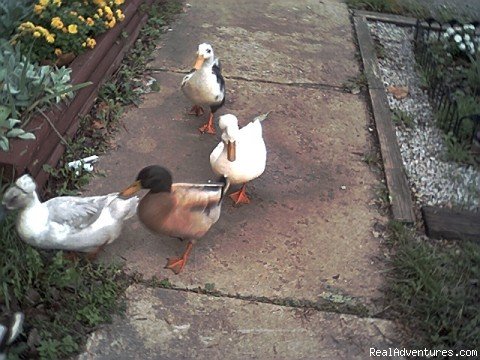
(9, 332)
(178, 210)
(71, 223)
(241, 155)
(205, 86)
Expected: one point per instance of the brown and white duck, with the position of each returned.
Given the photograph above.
(180, 210)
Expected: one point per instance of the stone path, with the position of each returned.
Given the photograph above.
(297, 273)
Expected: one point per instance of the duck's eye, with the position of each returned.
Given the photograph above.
(209, 51)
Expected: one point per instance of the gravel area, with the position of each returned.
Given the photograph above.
(433, 180)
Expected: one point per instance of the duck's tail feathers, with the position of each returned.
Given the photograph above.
(262, 117)
(226, 185)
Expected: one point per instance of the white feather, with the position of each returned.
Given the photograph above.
(251, 153)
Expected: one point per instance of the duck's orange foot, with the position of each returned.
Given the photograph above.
(176, 264)
(196, 110)
(240, 196)
(208, 128)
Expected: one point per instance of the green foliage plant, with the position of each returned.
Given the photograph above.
(26, 87)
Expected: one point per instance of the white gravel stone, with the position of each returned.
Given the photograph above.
(434, 181)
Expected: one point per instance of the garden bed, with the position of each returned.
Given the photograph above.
(92, 66)
(427, 174)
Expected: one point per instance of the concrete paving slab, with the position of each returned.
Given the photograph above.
(281, 41)
(168, 324)
(307, 232)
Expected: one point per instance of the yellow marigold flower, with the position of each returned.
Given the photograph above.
(36, 34)
(90, 21)
(91, 43)
(108, 10)
(26, 26)
(81, 18)
(100, 12)
(57, 22)
(72, 29)
(74, 13)
(58, 51)
(43, 2)
(84, 44)
(96, 16)
(50, 38)
(37, 9)
(57, 2)
(64, 29)
(111, 23)
(42, 30)
(120, 15)
(119, 2)
(100, 3)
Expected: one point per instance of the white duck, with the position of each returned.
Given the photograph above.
(205, 85)
(71, 223)
(241, 155)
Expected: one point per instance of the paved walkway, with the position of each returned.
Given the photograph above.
(308, 242)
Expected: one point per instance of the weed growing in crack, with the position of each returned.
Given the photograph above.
(402, 118)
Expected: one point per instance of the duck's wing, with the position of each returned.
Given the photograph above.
(77, 212)
(198, 196)
(217, 71)
(187, 77)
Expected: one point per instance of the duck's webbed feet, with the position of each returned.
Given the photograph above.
(209, 127)
(196, 110)
(240, 196)
(177, 264)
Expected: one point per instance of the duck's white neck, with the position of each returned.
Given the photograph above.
(32, 220)
(208, 62)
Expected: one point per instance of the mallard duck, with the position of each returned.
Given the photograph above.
(8, 333)
(181, 210)
(70, 223)
(205, 85)
(241, 155)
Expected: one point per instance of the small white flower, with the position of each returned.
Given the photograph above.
(450, 31)
(462, 46)
(466, 37)
(457, 38)
(468, 27)
(457, 28)
(446, 35)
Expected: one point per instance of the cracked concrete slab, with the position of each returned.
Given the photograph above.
(308, 231)
(169, 324)
(280, 41)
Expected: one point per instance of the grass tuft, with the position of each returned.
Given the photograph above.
(435, 290)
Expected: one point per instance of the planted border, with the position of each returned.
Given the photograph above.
(95, 66)
(400, 198)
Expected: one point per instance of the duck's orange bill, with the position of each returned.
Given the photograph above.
(231, 151)
(199, 62)
(132, 189)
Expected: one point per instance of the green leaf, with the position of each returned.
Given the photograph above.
(4, 112)
(27, 136)
(15, 132)
(4, 143)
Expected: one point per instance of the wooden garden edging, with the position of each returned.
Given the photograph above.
(397, 183)
(96, 66)
(439, 222)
